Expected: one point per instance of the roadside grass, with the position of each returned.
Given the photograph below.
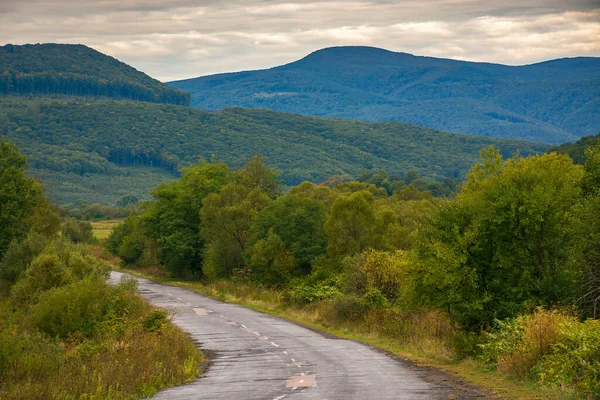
(426, 338)
(86, 339)
(102, 229)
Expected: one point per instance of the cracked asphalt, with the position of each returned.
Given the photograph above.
(257, 356)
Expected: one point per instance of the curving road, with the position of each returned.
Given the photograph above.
(257, 356)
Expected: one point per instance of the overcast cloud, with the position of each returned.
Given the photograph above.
(176, 39)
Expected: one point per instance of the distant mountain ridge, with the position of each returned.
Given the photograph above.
(552, 102)
(78, 70)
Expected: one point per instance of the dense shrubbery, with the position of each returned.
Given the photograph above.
(520, 234)
(547, 346)
(64, 331)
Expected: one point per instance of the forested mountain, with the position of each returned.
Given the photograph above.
(96, 149)
(577, 150)
(551, 102)
(78, 70)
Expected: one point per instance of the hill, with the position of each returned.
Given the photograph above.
(577, 150)
(78, 70)
(96, 149)
(551, 102)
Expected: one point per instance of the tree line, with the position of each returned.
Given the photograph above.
(520, 233)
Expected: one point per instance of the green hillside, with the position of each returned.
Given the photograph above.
(78, 70)
(551, 102)
(91, 149)
(577, 150)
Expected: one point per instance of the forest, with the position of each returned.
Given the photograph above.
(77, 144)
(65, 331)
(504, 273)
(78, 70)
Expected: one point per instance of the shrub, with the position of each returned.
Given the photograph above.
(550, 347)
(77, 231)
(155, 320)
(17, 258)
(75, 308)
(347, 308)
(306, 294)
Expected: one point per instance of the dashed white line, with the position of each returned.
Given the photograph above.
(274, 344)
(179, 298)
(280, 397)
(285, 352)
(170, 294)
(256, 333)
(293, 360)
(245, 327)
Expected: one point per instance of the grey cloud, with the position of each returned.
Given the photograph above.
(173, 39)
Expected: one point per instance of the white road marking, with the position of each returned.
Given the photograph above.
(293, 360)
(274, 344)
(189, 304)
(285, 352)
(256, 333)
(245, 327)
(170, 294)
(280, 397)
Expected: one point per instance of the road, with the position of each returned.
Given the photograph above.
(257, 356)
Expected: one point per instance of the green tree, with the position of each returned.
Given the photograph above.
(19, 196)
(589, 235)
(271, 261)
(173, 219)
(352, 225)
(226, 220)
(506, 242)
(298, 222)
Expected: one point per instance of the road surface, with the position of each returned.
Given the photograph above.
(257, 356)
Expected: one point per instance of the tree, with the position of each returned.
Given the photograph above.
(298, 222)
(226, 220)
(228, 215)
(589, 235)
(173, 219)
(271, 261)
(506, 242)
(19, 196)
(351, 225)
(126, 200)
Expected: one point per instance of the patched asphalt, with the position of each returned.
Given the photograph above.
(257, 356)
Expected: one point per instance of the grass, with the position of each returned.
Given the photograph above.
(102, 229)
(426, 350)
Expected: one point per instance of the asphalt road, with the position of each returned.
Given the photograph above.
(257, 356)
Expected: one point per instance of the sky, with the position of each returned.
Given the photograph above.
(177, 39)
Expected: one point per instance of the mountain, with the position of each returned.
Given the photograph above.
(78, 70)
(551, 102)
(96, 150)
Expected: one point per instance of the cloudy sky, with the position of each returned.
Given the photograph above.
(176, 39)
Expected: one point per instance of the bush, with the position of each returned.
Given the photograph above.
(550, 347)
(306, 294)
(77, 308)
(155, 320)
(17, 258)
(77, 231)
(347, 308)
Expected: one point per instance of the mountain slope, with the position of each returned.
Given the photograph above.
(577, 150)
(551, 102)
(67, 140)
(78, 70)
